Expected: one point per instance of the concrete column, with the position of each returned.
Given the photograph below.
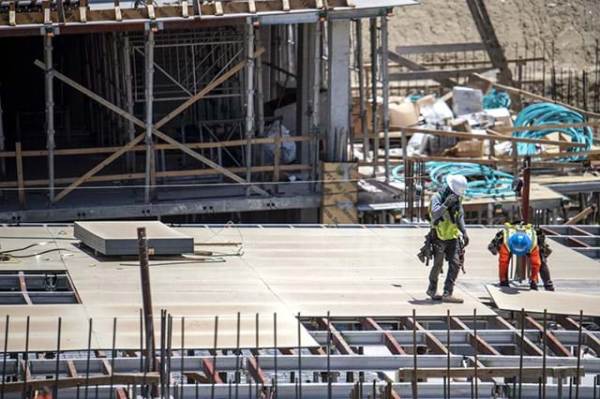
(49, 90)
(338, 104)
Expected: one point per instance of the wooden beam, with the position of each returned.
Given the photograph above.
(255, 371)
(482, 345)
(23, 287)
(417, 67)
(479, 161)
(212, 85)
(337, 338)
(20, 184)
(209, 370)
(390, 342)
(436, 74)
(490, 372)
(440, 48)
(434, 344)
(71, 370)
(581, 215)
(528, 347)
(534, 96)
(590, 339)
(555, 345)
(494, 136)
(537, 128)
(62, 383)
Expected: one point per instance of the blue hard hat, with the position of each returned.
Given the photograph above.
(519, 243)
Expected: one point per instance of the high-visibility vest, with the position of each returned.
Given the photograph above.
(510, 229)
(445, 229)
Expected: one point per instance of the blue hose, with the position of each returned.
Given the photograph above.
(484, 182)
(549, 114)
(496, 99)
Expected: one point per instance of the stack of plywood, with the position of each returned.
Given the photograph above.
(340, 193)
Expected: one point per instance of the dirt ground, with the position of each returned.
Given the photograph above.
(571, 24)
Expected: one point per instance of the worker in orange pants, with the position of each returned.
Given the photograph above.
(519, 240)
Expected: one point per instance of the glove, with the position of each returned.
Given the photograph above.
(450, 201)
(465, 240)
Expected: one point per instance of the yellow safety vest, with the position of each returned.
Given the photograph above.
(510, 229)
(445, 229)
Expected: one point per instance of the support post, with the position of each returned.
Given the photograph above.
(2, 142)
(339, 89)
(149, 86)
(146, 300)
(316, 98)
(49, 90)
(385, 94)
(526, 188)
(374, 121)
(126, 49)
(20, 182)
(361, 90)
(249, 128)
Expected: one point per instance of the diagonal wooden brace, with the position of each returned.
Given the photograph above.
(215, 83)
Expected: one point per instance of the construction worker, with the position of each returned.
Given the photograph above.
(538, 244)
(447, 224)
(520, 240)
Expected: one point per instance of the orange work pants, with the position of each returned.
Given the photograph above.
(504, 256)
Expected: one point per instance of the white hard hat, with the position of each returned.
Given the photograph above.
(457, 183)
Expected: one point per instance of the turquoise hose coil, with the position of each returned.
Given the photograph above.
(496, 99)
(550, 114)
(484, 182)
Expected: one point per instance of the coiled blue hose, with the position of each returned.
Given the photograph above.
(484, 182)
(549, 114)
(496, 99)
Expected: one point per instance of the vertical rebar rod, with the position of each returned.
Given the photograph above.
(374, 121)
(146, 299)
(4, 355)
(113, 355)
(257, 338)
(57, 368)
(385, 94)
(329, 387)
(182, 364)
(88, 358)
(169, 352)
(237, 355)
(49, 99)
(521, 352)
(476, 357)
(448, 352)
(149, 99)
(299, 357)
(214, 360)
(544, 349)
(316, 93)
(275, 350)
(579, 338)
(249, 128)
(414, 376)
(26, 357)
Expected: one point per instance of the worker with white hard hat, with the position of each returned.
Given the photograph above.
(448, 227)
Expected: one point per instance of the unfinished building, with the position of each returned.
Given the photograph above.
(116, 110)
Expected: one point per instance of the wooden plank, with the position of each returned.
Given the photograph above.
(482, 345)
(23, 288)
(555, 345)
(590, 339)
(436, 74)
(71, 370)
(62, 383)
(255, 371)
(474, 136)
(440, 48)
(20, 184)
(209, 370)
(336, 337)
(417, 67)
(534, 96)
(434, 344)
(390, 342)
(168, 173)
(498, 372)
(510, 129)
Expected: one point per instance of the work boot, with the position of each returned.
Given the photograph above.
(433, 294)
(503, 284)
(549, 286)
(533, 285)
(450, 298)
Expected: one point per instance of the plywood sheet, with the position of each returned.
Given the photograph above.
(561, 303)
